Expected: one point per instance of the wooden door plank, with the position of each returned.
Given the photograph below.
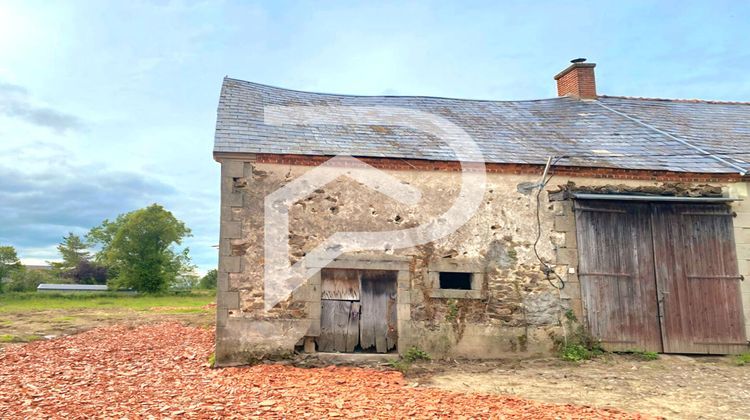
(326, 338)
(341, 324)
(378, 310)
(391, 337)
(381, 327)
(699, 279)
(366, 320)
(352, 331)
(339, 284)
(616, 269)
(377, 288)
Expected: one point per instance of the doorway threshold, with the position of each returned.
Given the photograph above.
(354, 358)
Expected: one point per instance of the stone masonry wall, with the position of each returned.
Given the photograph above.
(514, 309)
(742, 239)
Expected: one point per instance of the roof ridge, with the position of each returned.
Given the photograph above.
(694, 101)
(554, 98)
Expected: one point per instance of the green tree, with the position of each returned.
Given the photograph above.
(9, 263)
(138, 249)
(73, 250)
(104, 234)
(209, 280)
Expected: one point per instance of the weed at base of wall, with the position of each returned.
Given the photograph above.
(646, 355)
(412, 355)
(742, 359)
(578, 345)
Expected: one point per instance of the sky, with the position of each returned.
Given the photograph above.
(109, 106)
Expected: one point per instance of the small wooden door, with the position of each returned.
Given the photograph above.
(616, 271)
(358, 311)
(698, 279)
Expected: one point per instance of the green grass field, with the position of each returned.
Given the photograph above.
(34, 301)
(28, 316)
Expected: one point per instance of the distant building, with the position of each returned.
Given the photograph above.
(54, 287)
(50, 287)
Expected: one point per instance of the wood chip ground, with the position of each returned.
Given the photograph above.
(160, 371)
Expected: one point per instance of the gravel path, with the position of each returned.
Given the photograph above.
(676, 387)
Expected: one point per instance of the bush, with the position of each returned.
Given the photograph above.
(209, 280)
(87, 272)
(24, 280)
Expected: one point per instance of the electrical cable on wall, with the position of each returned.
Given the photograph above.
(546, 268)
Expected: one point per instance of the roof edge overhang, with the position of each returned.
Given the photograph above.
(667, 198)
(218, 156)
(595, 171)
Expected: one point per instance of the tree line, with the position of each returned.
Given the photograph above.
(137, 250)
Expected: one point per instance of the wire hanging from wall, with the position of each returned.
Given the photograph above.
(546, 268)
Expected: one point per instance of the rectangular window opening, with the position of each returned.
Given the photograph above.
(455, 281)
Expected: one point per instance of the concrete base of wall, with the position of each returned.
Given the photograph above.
(477, 341)
(244, 341)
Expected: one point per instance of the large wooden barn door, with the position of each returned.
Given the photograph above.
(616, 271)
(660, 276)
(358, 311)
(698, 279)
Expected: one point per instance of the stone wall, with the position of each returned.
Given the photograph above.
(513, 309)
(742, 239)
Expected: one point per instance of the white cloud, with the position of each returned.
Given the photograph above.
(143, 79)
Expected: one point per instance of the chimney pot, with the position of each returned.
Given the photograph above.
(577, 80)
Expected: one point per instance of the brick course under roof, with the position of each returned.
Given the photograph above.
(609, 132)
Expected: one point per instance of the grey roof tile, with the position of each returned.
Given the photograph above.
(590, 133)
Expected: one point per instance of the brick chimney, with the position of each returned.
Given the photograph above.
(577, 80)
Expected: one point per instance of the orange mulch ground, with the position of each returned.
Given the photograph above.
(161, 371)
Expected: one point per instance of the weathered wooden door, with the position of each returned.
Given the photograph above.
(358, 311)
(698, 279)
(660, 276)
(339, 312)
(616, 271)
(378, 320)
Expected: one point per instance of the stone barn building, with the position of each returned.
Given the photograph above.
(639, 233)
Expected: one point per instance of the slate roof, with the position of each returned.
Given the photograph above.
(610, 132)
